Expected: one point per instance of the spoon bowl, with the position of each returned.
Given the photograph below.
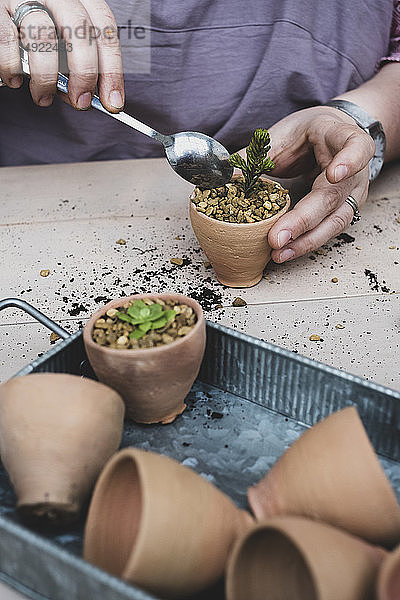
(199, 159)
(196, 157)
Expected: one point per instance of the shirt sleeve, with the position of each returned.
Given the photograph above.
(394, 46)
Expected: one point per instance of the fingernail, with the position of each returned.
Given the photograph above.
(45, 100)
(16, 82)
(116, 99)
(286, 255)
(283, 237)
(340, 172)
(84, 100)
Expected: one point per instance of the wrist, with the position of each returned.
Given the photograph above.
(326, 114)
(338, 115)
(370, 125)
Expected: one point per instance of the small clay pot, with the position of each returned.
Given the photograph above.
(153, 382)
(332, 474)
(389, 577)
(293, 558)
(160, 525)
(238, 252)
(56, 433)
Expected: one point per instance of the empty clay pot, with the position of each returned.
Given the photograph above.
(332, 474)
(153, 381)
(389, 577)
(238, 252)
(56, 433)
(293, 558)
(160, 525)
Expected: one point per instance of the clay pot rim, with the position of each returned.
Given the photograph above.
(386, 573)
(181, 298)
(131, 455)
(83, 381)
(280, 524)
(241, 225)
(56, 374)
(134, 456)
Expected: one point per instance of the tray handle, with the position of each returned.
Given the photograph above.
(36, 314)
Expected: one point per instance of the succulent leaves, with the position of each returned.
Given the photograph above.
(146, 317)
(257, 163)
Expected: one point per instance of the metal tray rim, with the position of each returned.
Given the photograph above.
(49, 548)
(277, 350)
(32, 544)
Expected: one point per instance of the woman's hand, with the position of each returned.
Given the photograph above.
(329, 147)
(90, 34)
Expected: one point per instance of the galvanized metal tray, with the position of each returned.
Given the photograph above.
(249, 403)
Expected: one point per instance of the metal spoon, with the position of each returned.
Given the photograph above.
(195, 156)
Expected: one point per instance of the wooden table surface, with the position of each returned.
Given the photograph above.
(72, 221)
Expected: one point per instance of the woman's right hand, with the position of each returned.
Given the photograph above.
(90, 33)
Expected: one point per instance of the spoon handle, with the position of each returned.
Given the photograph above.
(62, 86)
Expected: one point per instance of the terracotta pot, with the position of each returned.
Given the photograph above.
(389, 577)
(160, 525)
(238, 252)
(293, 558)
(153, 381)
(56, 433)
(332, 474)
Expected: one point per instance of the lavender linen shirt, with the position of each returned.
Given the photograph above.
(223, 67)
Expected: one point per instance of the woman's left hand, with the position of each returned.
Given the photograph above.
(328, 145)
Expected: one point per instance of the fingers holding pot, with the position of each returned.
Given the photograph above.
(318, 217)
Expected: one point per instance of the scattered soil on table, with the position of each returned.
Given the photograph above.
(207, 298)
(76, 309)
(374, 283)
(343, 238)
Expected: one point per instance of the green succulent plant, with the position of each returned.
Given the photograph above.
(145, 317)
(257, 162)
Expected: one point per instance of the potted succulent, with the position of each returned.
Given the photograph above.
(232, 222)
(149, 348)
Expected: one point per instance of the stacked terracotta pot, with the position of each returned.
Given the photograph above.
(323, 512)
(324, 515)
(160, 525)
(58, 430)
(56, 433)
(151, 520)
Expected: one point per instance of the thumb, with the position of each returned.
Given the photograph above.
(357, 151)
